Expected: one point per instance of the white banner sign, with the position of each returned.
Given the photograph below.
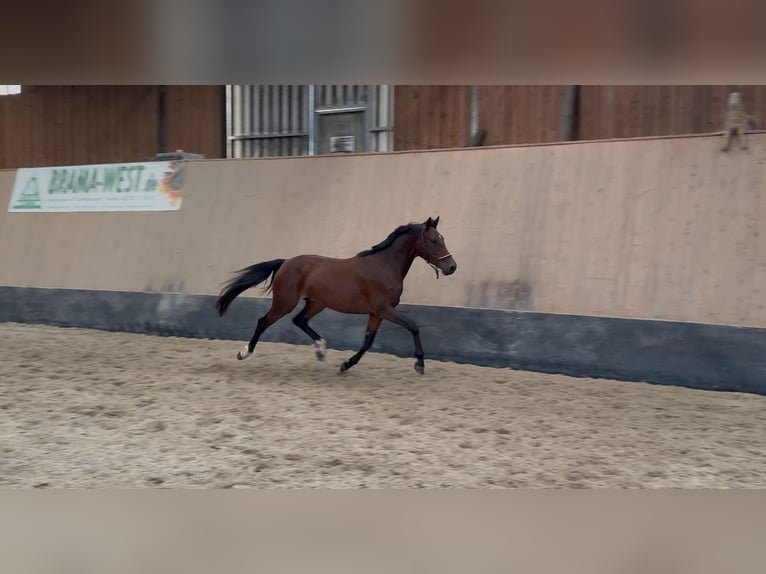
(153, 186)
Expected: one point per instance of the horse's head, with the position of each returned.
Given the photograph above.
(433, 249)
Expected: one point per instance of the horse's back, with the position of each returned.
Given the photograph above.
(307, 262)
(307, 268)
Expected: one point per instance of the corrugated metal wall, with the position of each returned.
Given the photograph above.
(72, 125)
(276, 120)
(333, 96)
(266, 121)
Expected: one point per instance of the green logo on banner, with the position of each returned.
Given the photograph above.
(30, 196)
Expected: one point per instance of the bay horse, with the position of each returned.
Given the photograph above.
(369, 283)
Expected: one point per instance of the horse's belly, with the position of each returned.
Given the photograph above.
(338, 300)
(340, 294)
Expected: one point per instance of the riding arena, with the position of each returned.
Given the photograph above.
(559, 314)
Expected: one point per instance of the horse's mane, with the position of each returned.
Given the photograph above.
(389, 241)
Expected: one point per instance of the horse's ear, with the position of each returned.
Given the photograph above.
(436, 221)
(432, 223)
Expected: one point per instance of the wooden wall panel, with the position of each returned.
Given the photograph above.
(431, 117)
(519, 114)
(70, 125)
(195, 120)
(638, 111)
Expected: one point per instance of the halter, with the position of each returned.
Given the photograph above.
(432, 254)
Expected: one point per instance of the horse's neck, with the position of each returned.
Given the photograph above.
(401, 255)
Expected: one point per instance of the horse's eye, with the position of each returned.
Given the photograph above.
(434, 241)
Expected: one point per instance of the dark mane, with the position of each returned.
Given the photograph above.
(389, 241)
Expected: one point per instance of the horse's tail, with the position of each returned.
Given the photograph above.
(246, 278)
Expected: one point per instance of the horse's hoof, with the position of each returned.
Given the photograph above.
(420, 368)
(344, 367)
(243, 354)
(320, 348)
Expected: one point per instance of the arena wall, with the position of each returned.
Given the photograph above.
(665, 229)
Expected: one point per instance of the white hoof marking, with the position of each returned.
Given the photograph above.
(321, 349)
(244, 353)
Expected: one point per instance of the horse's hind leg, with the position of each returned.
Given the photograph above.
(373, 324)
(301, 320)
(263, 324)
(280, 306)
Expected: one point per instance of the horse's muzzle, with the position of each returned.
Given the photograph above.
(450, 270)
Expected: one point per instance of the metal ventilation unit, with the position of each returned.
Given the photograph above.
(289, 120)
(342, 126)
(342, 144)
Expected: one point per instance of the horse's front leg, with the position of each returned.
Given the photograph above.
(373, 324)
(397, 318)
